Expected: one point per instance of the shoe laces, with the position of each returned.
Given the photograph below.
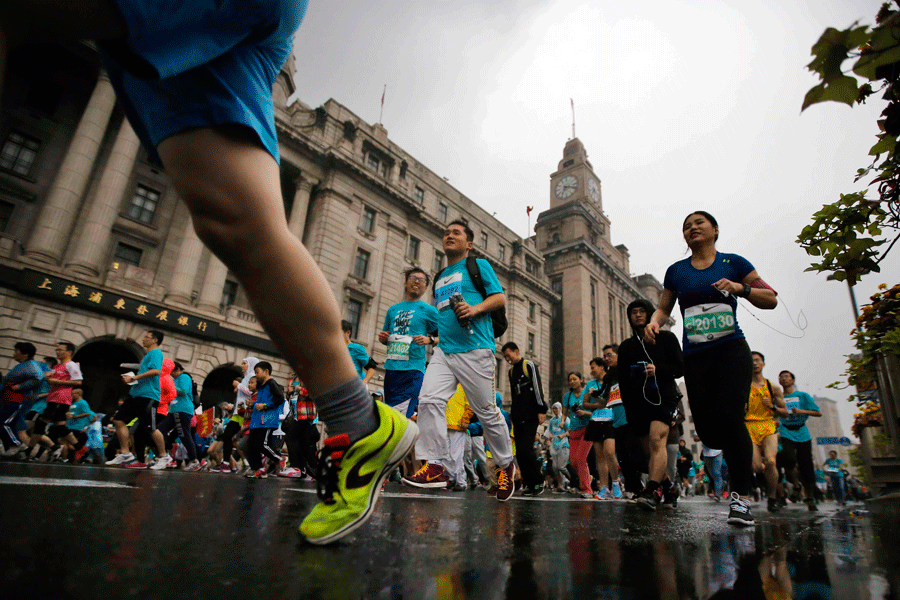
(329, 467)
(423, 469)
(738, 504)
(502, 478)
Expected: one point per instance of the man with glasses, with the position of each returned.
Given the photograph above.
(409, 326)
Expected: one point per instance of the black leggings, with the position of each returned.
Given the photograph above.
(718, 389)
(143, 431)
(300, 437)
(181, 423)
(231, 430)
(259, 444)
(798, 453)
(631, 458)
(525, 456)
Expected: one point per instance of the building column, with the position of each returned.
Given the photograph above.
(57, 217)
(95, 228)
(211, 294)
(182, 286)
(300, 207)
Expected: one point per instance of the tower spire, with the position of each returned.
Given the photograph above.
(572, 102)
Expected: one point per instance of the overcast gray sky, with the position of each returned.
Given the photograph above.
(681, 106)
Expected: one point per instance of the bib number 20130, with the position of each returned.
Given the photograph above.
(708, 322)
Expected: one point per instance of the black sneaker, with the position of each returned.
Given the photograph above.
(774, 505)
(649, 500)
(537, 490)
(670, 498)
(811, 504)
(740, 512)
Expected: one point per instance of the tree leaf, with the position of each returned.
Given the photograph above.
(838, 89)
(886, 143)
(884, 49)
(832, 50)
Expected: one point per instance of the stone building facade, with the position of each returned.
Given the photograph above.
(95, 246)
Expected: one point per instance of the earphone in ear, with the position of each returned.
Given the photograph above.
(647, 376)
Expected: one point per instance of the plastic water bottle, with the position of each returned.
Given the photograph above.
(454, 300)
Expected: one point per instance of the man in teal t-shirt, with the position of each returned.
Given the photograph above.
(142, 397)
(408, 327)
(835, 469)
(365, 366)
(464, 356)
(796, 442)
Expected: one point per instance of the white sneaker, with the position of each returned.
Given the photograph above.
(194, 466)
(739, 512)
(121, 459)
(162, 462)
(16, 450)
(291, 472)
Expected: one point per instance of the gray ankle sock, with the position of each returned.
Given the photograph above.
(349, 409)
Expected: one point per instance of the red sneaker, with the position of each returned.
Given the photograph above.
(135, 465)
(506, 482)
(80, 453)
(429, 476)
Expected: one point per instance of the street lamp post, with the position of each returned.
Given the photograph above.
(852, 297)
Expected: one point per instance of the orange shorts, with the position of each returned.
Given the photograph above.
(760, 430)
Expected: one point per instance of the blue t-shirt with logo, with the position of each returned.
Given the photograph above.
(555, 428)
(794, 427)
(571, 401)
(360, 358)
(403, 322)
(95, 435)
(455, 280)
(148, 387)
(79, 408)
(709, 317)
(184, 401)
(599, 414)
(834, 467)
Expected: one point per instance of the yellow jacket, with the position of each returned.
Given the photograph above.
(459, 413)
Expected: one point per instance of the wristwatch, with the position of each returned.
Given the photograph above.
(746, 290)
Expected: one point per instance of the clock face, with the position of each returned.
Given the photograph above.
(566, 186)
(594, 189)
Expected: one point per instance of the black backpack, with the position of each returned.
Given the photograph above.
(498, 317)
(196, 396)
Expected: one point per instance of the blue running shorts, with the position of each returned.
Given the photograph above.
(202, 63)
(403, 386)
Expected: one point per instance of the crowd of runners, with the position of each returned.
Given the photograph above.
(616, 433)
(195, 84)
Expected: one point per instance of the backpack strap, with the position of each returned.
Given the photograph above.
(771, 394)
(475, 275)
(434, 282)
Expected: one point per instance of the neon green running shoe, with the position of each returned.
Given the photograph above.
(350, 476)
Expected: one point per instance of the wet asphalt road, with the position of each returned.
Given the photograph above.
(94, 532)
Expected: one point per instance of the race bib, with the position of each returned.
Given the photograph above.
(615, 395)
(447, 287)
(398, 346)
(791, 404)
(708, 322)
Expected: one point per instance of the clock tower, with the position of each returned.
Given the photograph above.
(590, 273)
(574, 179)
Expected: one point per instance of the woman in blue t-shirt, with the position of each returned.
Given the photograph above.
(717, 363)
(578, 417)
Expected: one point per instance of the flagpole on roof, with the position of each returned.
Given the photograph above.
(572, 101)
(381, 113)
(528, 210)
